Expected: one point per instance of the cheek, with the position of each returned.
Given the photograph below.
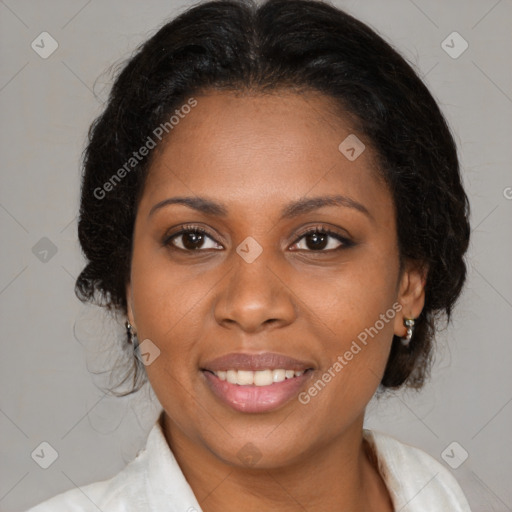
(355, 343)
(352, 297)
(165, 293)
(167, 299)
(357, 306)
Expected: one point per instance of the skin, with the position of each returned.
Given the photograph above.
(255, 154)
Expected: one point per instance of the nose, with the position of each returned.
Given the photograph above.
(255, 296)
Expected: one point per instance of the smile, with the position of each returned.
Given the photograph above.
(257, 378)
(256, 398)
(256, 383)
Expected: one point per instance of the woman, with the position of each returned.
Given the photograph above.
(273, 200)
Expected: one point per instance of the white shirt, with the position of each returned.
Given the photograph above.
(153, 481)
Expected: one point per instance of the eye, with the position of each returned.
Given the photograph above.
(191, 238)
(318, 239)
(321, 239)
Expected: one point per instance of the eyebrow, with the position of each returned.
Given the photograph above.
(293, 209)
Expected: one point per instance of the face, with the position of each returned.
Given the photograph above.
(279, 270)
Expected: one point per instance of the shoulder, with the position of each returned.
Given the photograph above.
(119, 493)
(416, 481)
(151, 481)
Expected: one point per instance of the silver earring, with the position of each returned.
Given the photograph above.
(131, 334)
(409, 323)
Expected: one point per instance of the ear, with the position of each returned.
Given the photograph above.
(411, 294)
(129, 305)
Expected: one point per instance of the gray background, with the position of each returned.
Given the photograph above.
(50, 342)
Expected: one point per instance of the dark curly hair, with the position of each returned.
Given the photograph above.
(301, 45)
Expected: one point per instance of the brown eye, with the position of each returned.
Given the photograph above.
(322, 240)
(191, 239)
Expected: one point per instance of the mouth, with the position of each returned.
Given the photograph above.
(257, 378)
(256, 383)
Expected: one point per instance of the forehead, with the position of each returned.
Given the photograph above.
(262, 150)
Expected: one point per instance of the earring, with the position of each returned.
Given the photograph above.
(409, 323)
(132, 336)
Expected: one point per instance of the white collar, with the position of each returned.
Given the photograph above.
(415, 480)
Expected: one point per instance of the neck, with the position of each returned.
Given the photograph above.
(338, 477)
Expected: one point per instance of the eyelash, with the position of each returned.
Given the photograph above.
(345, 242)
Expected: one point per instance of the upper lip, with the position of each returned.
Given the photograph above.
(255, 362)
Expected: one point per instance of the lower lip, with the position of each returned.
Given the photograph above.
(256, 398)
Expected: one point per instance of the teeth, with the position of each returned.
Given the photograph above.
(262, 378)
(278, 375)
(244, 378)
(259, 378)
(232, 376)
